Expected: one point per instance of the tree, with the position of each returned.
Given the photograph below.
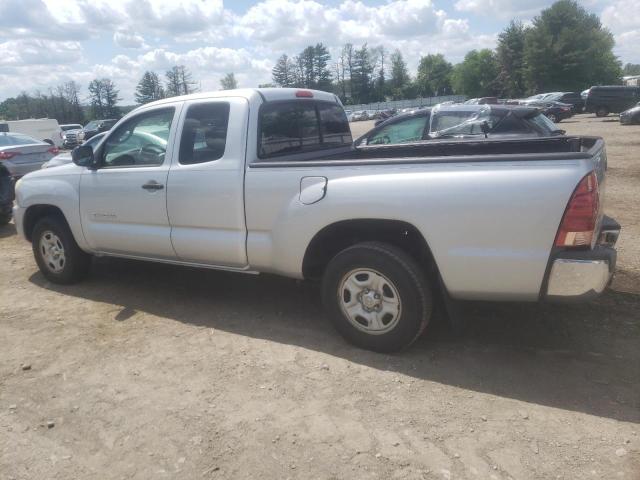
(228, 82)
(509, 54)
(434, 75)
(567, 49)
(179, 81)
(322, 74)
(72, 96)
(379, 56)
(149, 88)
(362, 75)
(103, 98)
(631, 69)
(399, 80)
(283, 72)
(476, 75)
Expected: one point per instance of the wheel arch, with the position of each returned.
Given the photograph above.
(335, 237)
(35, 213)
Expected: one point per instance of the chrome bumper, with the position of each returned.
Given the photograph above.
(584, 274)
(578, 278)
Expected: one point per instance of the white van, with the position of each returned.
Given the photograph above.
(46, 129)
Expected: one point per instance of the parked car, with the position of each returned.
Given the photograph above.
(64, 158)
(482, 101)
(555, 111)
(384, 115)
(70, 134)
(631, 116)
(6, 195)
(461, 121)
(359, 115)
(572, 98)
(43, 129)
(268, 180)
(22, 154)
(611, 99)
(94, 127)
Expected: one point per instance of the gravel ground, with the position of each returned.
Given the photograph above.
(153, 371)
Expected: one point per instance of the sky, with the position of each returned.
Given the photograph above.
(44, 43)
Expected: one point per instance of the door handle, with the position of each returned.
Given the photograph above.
(152, 185)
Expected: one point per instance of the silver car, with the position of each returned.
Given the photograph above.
(65, 157)
(22, 154)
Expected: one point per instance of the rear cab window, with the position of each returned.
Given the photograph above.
(300, 126)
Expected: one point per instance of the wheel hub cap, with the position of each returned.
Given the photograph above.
(52, 251)
(370, 301)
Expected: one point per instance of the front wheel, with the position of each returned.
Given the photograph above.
(57, 254)
(553, 117)
(602, 112)
(377, 295)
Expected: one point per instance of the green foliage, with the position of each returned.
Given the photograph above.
(179, 81)
(149, 88)
(228, 82)
(362, 76)
(631, 69)
(399, 81)
(567, 49)
(283, 73)
(510, 57)
(476, 75)
(62, 103)
(103, 97)
(434, 76)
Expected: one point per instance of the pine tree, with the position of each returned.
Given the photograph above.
(399, 80)
(149, 88)
(179, 81)
(283, 72)
(111, 98)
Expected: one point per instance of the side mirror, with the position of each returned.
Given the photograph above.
(82, 156)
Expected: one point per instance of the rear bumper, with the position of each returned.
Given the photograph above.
(584, 274)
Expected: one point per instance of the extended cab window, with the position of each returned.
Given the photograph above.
(139, 142)
(301, 126)
(204, 134)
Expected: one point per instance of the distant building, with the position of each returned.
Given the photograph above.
(631, 80)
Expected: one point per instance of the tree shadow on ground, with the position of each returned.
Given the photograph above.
(580, 357)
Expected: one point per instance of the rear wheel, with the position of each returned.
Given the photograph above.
(602, 111)
(377, 296)
(553, 117)
(57, 254)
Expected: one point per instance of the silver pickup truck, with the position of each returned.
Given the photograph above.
(268, 180)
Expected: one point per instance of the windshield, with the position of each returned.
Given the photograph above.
(66, 128)
(92, 125)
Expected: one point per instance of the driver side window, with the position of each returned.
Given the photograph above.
(139, 142)
(409, 130)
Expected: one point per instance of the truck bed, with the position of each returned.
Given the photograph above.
(452, 151)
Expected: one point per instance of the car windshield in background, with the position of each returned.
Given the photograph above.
(66, 128)
(8, 140)
(92, 125)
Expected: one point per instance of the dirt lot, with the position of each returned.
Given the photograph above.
(151, 371)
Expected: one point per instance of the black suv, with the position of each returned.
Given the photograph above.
(572, 98)
(97, 126)
(611, 99)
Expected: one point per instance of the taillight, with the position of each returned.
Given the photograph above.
(304, 94)
(54, 150)
(578, 224)
(8, 155)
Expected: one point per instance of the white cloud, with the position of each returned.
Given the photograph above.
(128, 39)
(503, 9)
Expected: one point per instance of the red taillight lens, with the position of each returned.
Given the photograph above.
(304, 94)
(579, 222)
(8, 155)
(54, 150)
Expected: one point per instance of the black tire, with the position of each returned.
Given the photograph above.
(76, 262)
(602, 111)
(5, 218)
(406, 276)
(553, 117)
